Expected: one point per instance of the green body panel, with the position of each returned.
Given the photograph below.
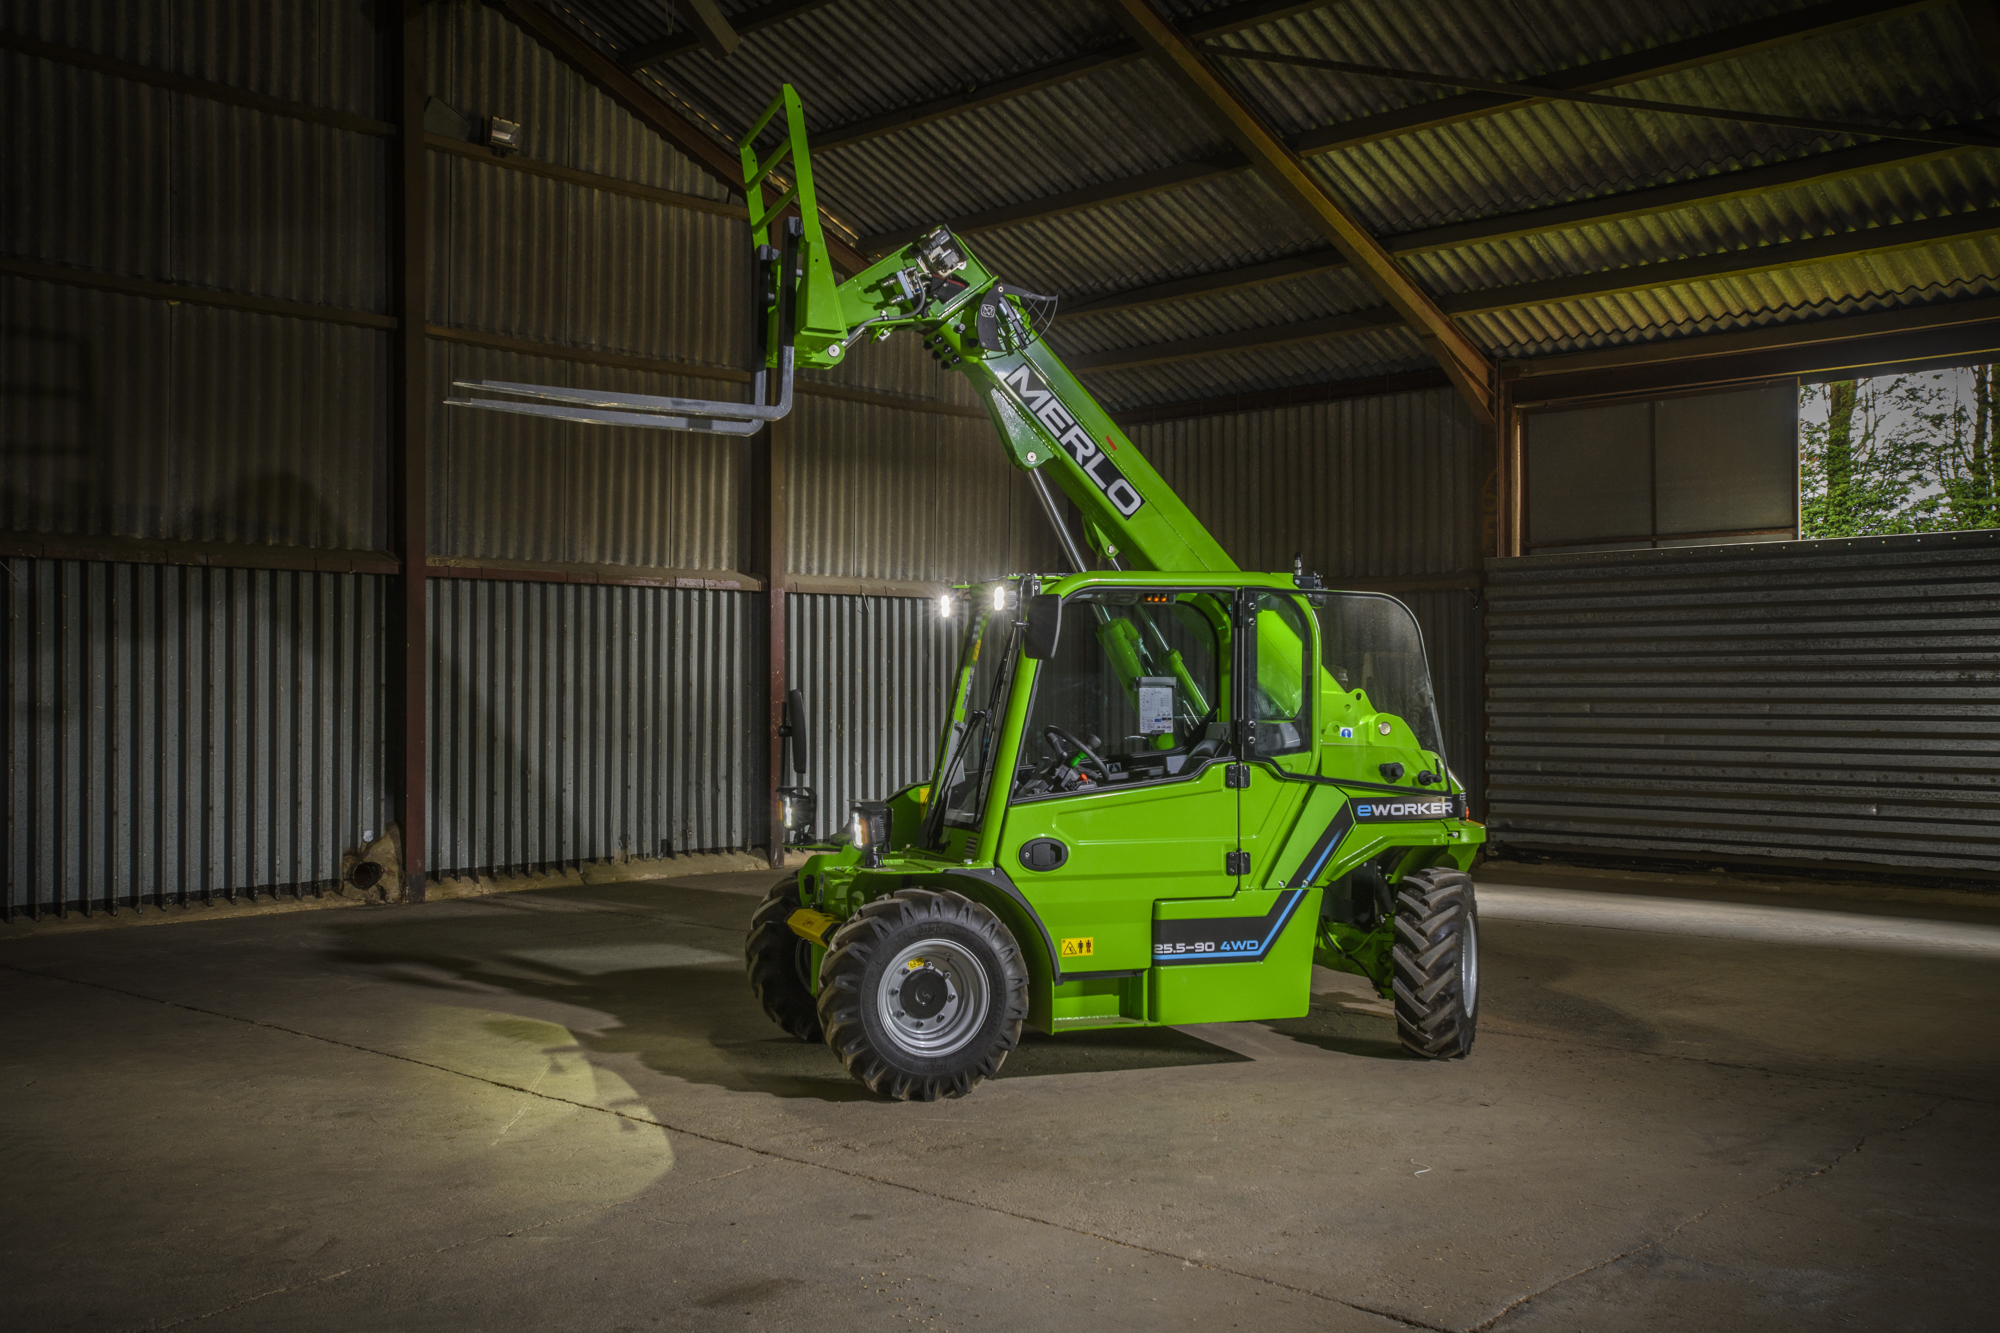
(1146, 861)
(1278, 986)
(1126, 849)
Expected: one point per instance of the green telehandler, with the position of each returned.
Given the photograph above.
(1164, 788)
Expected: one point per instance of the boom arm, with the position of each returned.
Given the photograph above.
(1051, 426)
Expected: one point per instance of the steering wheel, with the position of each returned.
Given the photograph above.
(1066, 745)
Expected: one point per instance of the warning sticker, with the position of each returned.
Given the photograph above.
(1082, 948)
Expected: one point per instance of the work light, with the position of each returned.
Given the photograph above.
(868, 826)
(797, 808)
(947, 604)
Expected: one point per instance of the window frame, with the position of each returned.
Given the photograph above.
(1225, 596)
(1244, 668)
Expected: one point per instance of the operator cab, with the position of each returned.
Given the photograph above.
(1138, 689)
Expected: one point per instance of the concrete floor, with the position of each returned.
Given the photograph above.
(561, 1110)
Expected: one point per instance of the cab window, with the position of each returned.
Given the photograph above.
(967, 769)
(1132, 694)
(1281, 702)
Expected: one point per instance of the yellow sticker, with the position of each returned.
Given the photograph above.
(1082, 948)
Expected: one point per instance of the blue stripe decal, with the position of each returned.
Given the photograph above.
(1282, 911)
(1323, 850)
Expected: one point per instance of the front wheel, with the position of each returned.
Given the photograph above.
(1436, 958)
(922, 994)
(779, 963)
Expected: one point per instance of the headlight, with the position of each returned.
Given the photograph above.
(947, 604)
(798, 810)
(999, 597)
(868, 826)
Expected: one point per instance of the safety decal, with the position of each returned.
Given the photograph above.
(1041, 403)
(1224, 939)
(1407, 808)
(1347, 733)
(1080, 948)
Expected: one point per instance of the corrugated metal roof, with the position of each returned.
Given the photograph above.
(1917, 68)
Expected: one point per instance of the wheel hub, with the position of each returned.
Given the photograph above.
(923, 993)
(932, 999)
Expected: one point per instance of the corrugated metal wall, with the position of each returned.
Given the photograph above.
(1814, 701)
(1382, 490)
(512, 487)
(174, 732)
(572, 723)
(888, 493)
(875, 671)
(1362, 488)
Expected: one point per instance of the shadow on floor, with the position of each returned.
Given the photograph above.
(668, 988)
(1346, 1029)
(1110, 1049)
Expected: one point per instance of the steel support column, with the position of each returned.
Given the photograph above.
(406, 643)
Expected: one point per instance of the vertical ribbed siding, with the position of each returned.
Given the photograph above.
(874, 671)
(177, 732)
(555, 261)
(1361, 488)
(1820, 701)
(575, 723)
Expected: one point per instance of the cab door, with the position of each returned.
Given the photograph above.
(1122, 794)
(1274, 649)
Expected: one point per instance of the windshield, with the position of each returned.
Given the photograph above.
(968, 762)
(1131, 694)
(1370, 642)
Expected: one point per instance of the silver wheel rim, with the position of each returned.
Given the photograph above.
(932, 998)
(1468, 965)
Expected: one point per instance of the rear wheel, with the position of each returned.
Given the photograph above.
(1436, 959)
(779, 963)
(922, 994)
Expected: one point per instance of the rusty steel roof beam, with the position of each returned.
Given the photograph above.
(1471, 371)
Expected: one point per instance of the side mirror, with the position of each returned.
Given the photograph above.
(1043, 618)
(795, 729)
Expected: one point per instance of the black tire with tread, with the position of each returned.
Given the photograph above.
(778, 963)
(1435, 917)
(849, 976)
